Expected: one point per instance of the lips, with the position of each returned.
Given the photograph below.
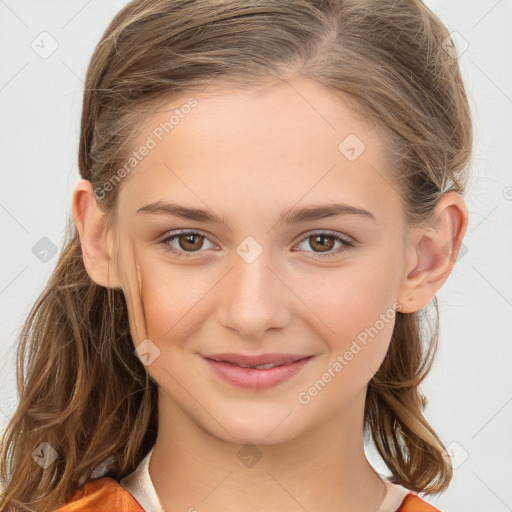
(256, 372)
(251, 361)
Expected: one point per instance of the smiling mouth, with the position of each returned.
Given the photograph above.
(259, 376)
(259, 367)
(253, 361)
(256, 367)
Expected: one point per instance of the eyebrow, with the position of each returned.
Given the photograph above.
(290, 216)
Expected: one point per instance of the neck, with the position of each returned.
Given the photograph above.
(324, 469)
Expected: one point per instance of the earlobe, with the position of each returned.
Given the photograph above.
(432, 252)
(95, 239)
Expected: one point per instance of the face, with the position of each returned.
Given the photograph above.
(270, 266)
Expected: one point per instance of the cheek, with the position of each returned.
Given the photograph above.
(360, 315)
(172, 302)
(355, 309)
(349, 299)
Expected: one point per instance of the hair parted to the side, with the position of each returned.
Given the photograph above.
(82, 389)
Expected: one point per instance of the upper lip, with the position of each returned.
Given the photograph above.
(256, 360)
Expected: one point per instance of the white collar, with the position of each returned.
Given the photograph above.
(140, 486)
(395, 494)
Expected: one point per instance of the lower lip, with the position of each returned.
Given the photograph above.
(252, 378)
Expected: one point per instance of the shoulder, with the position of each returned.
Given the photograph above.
(102, 495)
(413, 503)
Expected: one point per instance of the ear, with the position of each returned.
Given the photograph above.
(432, 252)
(96, 239)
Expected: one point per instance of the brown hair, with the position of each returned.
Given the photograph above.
(82, 389)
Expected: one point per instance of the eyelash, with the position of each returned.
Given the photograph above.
(347, 245)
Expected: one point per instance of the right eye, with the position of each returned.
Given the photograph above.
(188, 242)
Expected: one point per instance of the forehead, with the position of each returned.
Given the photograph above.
(283, 143)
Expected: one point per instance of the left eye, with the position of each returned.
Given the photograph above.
(192, 241)
(318, 240)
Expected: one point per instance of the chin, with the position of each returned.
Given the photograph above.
(264, 428)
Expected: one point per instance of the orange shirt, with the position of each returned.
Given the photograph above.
(107, 495)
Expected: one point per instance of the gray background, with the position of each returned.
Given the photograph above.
(469, 388)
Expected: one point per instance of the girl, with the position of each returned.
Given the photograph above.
(271, 196)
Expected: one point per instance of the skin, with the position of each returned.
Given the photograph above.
(247, 156)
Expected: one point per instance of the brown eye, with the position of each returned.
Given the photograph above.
(185, 243)
(322, 243)
(190, 242)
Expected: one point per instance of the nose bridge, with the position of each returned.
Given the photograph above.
(255, 299)
(252, 273)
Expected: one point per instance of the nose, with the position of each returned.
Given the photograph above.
(255, 297)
